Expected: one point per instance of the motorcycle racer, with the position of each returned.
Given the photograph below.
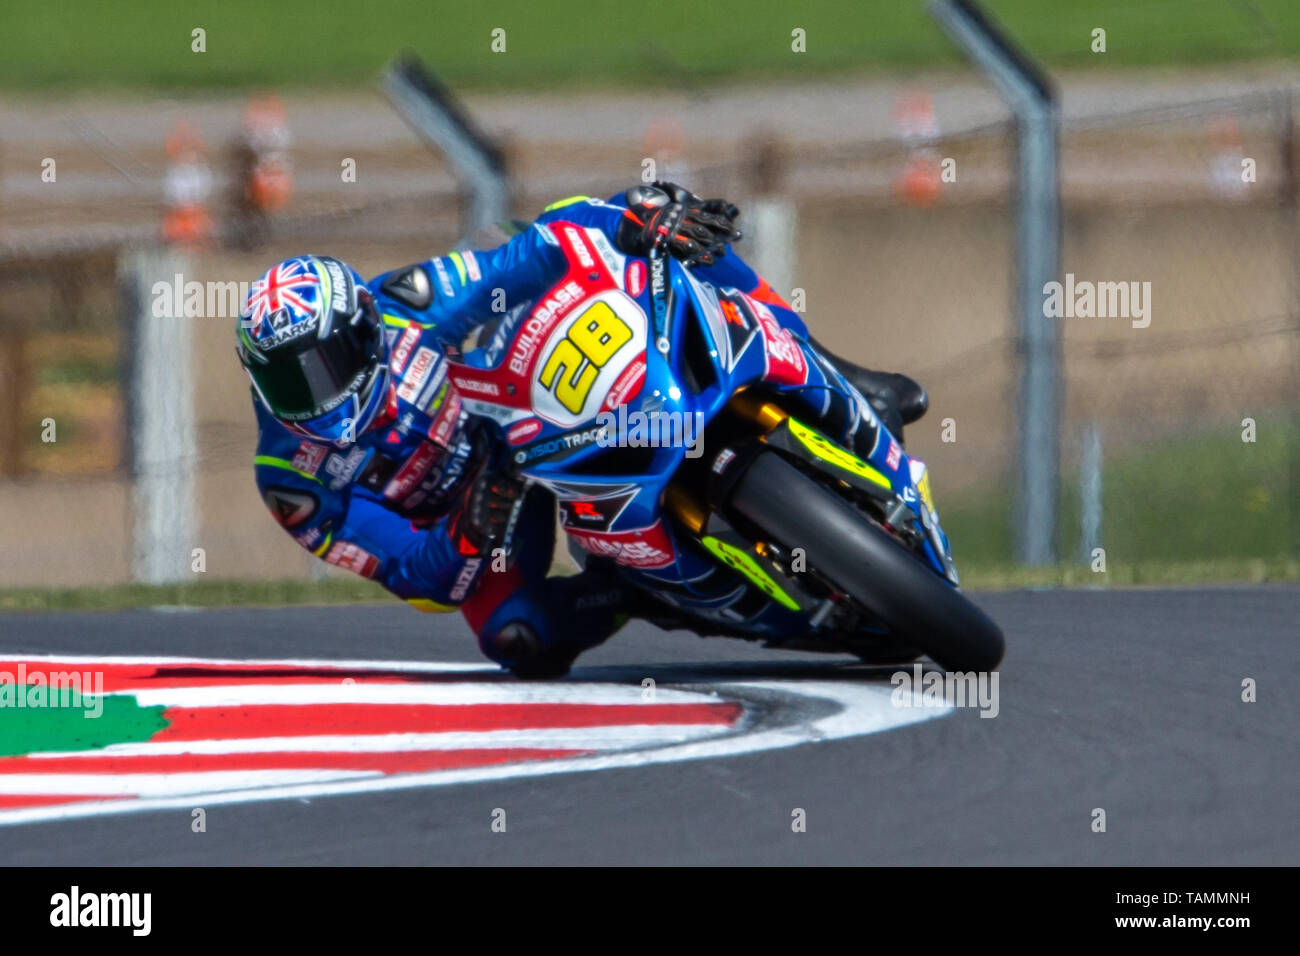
(369, 459)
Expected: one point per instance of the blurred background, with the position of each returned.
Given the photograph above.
(144, 140)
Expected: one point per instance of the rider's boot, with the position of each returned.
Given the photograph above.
(898, 399)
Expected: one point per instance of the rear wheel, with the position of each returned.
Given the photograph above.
(915, 605)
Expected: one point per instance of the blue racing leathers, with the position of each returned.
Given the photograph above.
(384, 507)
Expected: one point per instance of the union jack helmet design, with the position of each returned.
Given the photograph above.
(312, 341)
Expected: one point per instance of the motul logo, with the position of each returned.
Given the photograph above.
(402, 350)
(523, 431)
(634, 278)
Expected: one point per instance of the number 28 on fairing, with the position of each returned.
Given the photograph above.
(584, 355)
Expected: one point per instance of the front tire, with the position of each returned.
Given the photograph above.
(911, 601)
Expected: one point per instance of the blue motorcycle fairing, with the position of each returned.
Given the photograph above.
(702, 345)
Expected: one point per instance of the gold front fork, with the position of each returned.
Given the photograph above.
(765, 414)
(682, 505)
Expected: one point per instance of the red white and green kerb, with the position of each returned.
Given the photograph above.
(189, 728)
(183, 733)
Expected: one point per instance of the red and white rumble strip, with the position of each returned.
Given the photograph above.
(181, 733)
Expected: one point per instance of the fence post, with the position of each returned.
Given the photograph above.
(160, 418)
(434, 113)
(1032, 99)
(770, 219)
(1288, 195)
(1090, 514)
(15, 386)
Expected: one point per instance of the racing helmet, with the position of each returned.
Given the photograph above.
(312, 341)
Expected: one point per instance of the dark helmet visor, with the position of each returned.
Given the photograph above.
(307, 382)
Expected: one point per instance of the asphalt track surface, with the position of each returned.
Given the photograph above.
(1124, 700)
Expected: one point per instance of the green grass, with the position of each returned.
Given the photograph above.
(223, 593)
(984, 577)
(975, 577)
(682, 43)
(1187, 510)
(78, 370)
(1184, 501)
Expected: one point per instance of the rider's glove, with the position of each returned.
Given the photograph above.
(479, 522)
(666, 216)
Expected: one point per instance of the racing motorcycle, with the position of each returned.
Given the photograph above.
(663, 415)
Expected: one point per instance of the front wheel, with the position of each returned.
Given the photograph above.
(914, 604)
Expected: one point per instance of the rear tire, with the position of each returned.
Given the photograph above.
(910, 600)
